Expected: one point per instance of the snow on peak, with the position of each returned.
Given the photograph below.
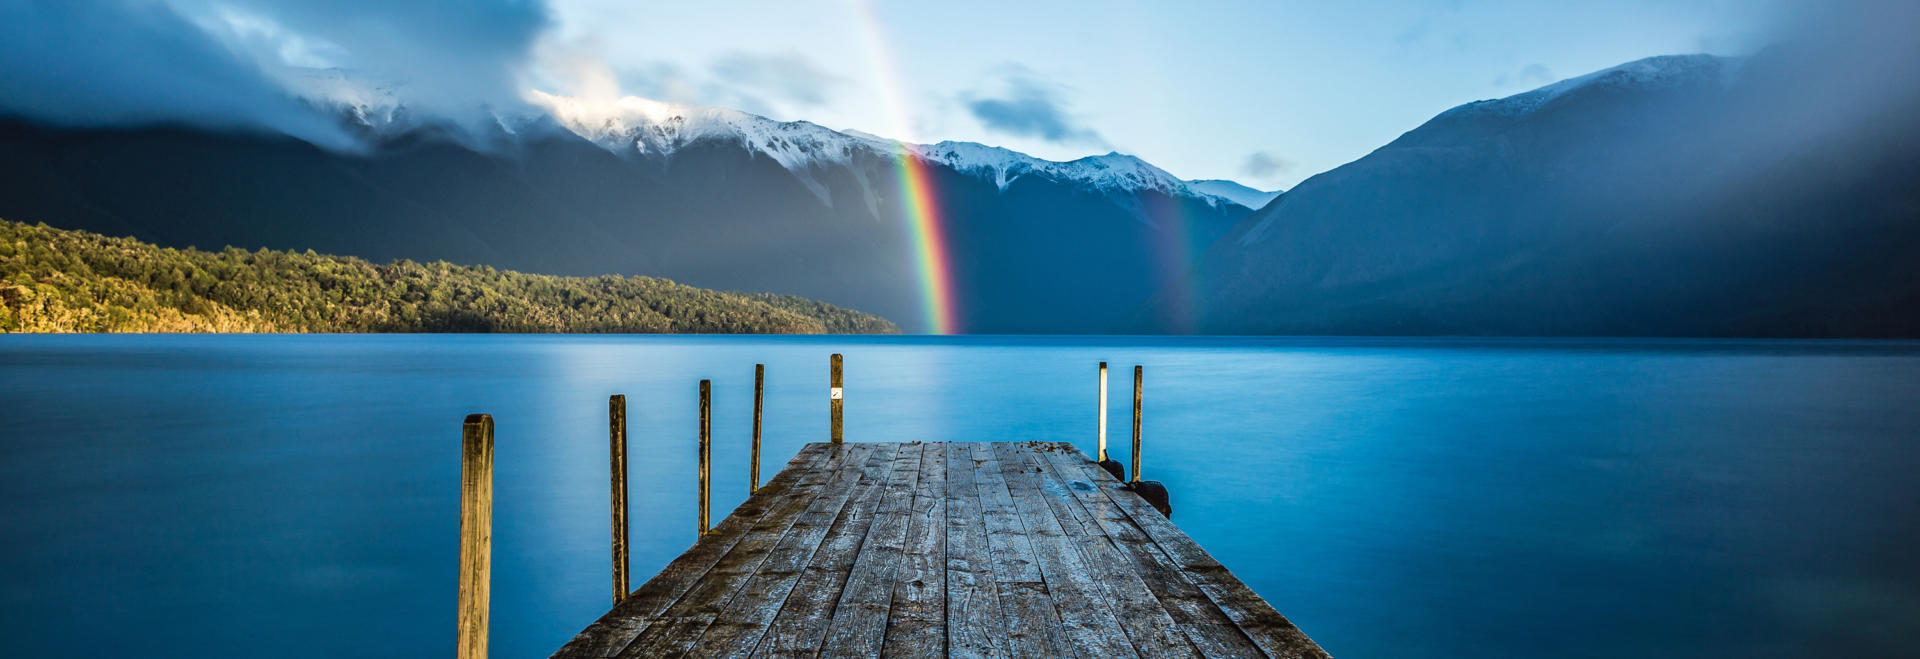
(655, 127)
(1652, 73)
(1232, 191)
(637, 125)
(1113, 172)
(374, 105)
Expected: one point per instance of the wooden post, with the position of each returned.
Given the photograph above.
(834, 395)
(1137, 373)
(617, 452)
(476, 534)
(1153, 492)
(759, 395)
(1103, 412)
(706, 453)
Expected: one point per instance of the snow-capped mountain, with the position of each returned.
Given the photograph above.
(1670, 196)
(634, 125)
(713, 197)
(1234, 192)
(363, 102)
(1652, 74)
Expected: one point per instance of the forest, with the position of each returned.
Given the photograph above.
(55, 280)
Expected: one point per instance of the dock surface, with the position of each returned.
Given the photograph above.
(943, 549)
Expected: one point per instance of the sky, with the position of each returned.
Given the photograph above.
(1266, 93)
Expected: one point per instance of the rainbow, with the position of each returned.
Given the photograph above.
(925, 226)
(1176, 251)
(928, 232)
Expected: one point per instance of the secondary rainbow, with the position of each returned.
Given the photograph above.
(926, 227)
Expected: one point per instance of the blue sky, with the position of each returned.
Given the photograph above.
(1263, 92)
(1267, 93)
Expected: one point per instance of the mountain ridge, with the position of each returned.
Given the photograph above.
(1659, 197)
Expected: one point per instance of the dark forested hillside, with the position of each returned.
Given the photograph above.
(714, 215)
(53, 280)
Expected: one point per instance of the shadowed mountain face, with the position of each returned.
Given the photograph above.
(1684, 196)
(1040, 255)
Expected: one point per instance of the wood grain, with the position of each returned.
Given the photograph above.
(1025, 549)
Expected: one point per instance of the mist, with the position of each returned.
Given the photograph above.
(128, 64)
(1834, 70)
(231, 65)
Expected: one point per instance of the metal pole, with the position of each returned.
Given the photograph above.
(1103, 412)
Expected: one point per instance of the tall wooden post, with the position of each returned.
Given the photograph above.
(1103, 412)
(706, 453)
(835, 397)
(1137, 372)
(476, 534)
(1153, 492)
(759, 395)
(617, 452)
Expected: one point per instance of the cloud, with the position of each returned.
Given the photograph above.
(450, 56)
(779, 85)
(228, 63)
(791, 77)
(137, 64)
(1531, 75)
(1030, 108)
(1264, 165)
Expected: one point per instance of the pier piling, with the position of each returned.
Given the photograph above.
(759, 395)
(834, 395)
(706, 455)
(476, 535)
(1112, 466)
(617, 456)
(1152, 491)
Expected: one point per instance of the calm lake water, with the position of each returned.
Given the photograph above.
(297, 495)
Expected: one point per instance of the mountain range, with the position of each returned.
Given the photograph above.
(712, 197)
(1671, 196)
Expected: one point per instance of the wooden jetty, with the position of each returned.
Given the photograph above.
(1002, 549)
(944, 549)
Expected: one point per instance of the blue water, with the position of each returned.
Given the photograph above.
(297, 495)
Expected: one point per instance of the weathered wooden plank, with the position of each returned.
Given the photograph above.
(859, 622)
(1034, 628)
(975, 627)
(799, 627)
(1074, 519)
(613, 631)
(1090, 623)
(1270, 631)
(966, 550)
(1011, 553)
(1147, 624)
(1212, 633)
(697, 609)
(917, 622)
(739, 627)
